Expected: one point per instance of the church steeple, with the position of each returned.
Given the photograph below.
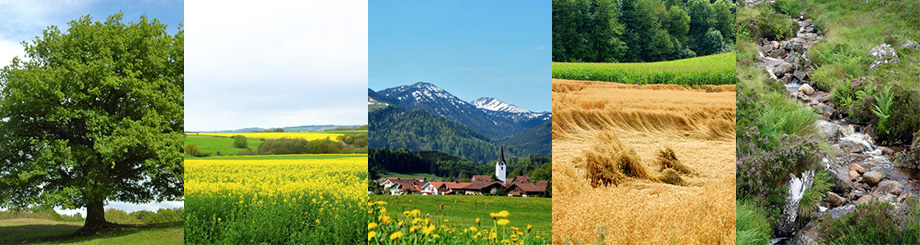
(500, 165)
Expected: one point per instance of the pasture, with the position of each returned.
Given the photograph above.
(716, 69)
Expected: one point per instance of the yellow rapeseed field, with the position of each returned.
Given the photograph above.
(293, 135)
(289, 199)
(697, 123)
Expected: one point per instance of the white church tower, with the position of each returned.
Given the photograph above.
(500, 169)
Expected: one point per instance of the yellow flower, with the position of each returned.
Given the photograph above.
(384, 219)
(396, 235)
(416, 212)
(492, 236)
(477, 221)
(383, 210)
(503, 214)
(413, 228)
(371, 235)
(503, 222)
(218, 219)
(429, 229)
(381, 203)
(494, 215)
(528, 227)
(435, 236)
(473, 228)
(372, 225)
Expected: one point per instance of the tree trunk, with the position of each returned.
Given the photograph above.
(95, 218)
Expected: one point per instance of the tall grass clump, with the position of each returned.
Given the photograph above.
(813, 196)
(610, 162)
(707, 70)
(751, 224)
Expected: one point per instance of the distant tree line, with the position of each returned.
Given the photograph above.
(641, 30)
(453, 168)
(346, 143)
(163, 215)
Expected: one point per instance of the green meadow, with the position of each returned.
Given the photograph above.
(214, 144)
(464, 210)
(706, 70)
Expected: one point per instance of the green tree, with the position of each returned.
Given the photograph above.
(678, 23)
(94, 115)
(239, 141)
(539, 174)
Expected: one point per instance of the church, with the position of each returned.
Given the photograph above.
(500, 168)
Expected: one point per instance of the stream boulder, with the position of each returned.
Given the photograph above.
(873, 177)
(806, 89)
(835, 200)
(904, 161)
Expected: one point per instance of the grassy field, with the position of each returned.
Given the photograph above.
(214, 144)
(276, 199)
(707, 70)
(30, 230)
(265, 136)
(590, 118)
(457, 214)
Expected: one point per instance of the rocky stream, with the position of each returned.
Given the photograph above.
(860, 170)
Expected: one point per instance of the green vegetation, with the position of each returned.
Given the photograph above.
(163, 226)
(640, 30)
(463, 210)
(95, 109)
(213, 144)
(396, 128)
(751, 224)
(707, 70)
(876, 223)
(451, 167)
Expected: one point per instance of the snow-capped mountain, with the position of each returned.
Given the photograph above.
(489, 116)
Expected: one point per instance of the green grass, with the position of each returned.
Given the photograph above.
(31, 230)
(464, 210)
(215, 144)
(707, 70)
(751, 224)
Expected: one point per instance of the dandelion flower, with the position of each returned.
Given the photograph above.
(473, 228)
(416, 212)
(429, 229)
(477, 221)
(503, 214)
(528, 227)
(494, 215)
(396, 235)
(371, 235)
(503, 222)
(372, 225)
(435, 236)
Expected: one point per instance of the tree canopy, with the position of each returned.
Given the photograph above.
(93, 114)
(640, 30)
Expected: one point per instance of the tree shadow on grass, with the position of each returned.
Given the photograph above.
(64, 233)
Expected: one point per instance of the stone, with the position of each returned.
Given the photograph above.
(888, 187)
(800, 75)
(853, 174)
(873, 177)
(810, 36)
(778, 53)
(775, 44)
(902, 160)
(829, 131)
(825, 110)
(904, 196)
(857, 168)
(884, 54)
(847, 147)
(806, 89)
(863, 199)
(766, 48)
(908, 44)
(779, 71)
(787, 45)
(834, 200)
(798, 47)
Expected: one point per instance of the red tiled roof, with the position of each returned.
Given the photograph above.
(481, 178)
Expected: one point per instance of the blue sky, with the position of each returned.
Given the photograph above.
(23, 20)
(472, 49)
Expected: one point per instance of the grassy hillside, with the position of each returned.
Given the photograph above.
(31, 230)
(712, 70)
(464, 210)
(214, 144)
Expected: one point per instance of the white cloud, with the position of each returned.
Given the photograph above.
(273, 60)
(24, 20)
(127, 207)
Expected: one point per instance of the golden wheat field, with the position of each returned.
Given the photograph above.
(621, 135)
